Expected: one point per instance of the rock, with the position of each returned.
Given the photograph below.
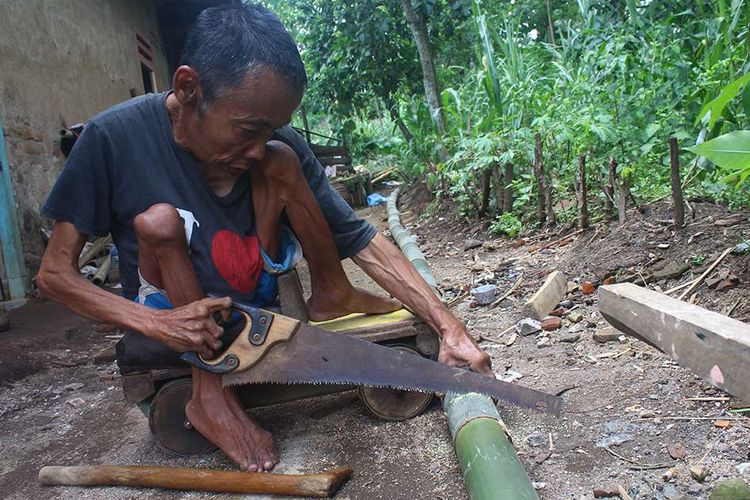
(723, 424)
(731, 489)
(725, 285)
(572, 286)
(671, 270)
(542, 456)
(614, 440)
(607, 334)
(4, 320)
(484, 295)
(567, 304)
(470, 244)
(509, 376)
(669, 475)
(518, 243)
(713, 281)
(538, 485)
(743, 468)
(676, 451)
(489, 246)
(528, 326)
(577, 328)
(542, 342)
(551, 323)
(695, 489)
(587, 288)
(73, 387)
(575, 317)
(608, 492)
(569, 337)
(670, 492)
(537, 439)
(558, 312)
(699, 472)
(610, 281)
(76, 402)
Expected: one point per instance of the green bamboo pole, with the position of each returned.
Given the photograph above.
(491, 468)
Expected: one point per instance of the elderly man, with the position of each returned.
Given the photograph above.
(207, 191)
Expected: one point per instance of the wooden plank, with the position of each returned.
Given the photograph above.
(713, 346)
(547, 297)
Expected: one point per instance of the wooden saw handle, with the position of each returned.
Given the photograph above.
(322, 485)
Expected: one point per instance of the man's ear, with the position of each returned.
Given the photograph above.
(186, 86)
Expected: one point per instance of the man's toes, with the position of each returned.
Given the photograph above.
(269, 465)
(252, 468)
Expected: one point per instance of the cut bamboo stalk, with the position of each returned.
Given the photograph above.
(492, 470)
(95, 249)
(101, 273)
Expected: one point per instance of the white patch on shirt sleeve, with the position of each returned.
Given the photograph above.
(190, 221)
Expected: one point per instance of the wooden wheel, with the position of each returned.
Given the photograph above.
(170, 426)
(395, 404)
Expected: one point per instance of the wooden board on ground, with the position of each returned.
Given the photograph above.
(547, 297)
(713, 346)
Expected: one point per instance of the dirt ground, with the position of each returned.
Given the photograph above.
(623, 390)
(620, 391)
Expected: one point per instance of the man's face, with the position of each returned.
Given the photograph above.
(232, 131)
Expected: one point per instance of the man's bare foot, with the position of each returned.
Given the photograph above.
(219, 416)
(325, 306)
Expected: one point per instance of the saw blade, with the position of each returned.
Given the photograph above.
(317, 356)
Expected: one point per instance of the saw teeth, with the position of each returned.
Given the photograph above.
(331, 382)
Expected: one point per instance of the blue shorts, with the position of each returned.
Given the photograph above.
(266, 290)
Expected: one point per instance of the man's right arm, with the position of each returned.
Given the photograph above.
(187, 328)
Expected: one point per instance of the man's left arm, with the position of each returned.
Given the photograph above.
(390, 268)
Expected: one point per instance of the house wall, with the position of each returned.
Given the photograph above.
(62, 62)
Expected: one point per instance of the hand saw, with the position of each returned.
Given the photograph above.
(274, 348)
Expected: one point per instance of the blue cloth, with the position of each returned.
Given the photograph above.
(267, 289)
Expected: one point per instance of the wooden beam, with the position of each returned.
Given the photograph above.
(713, 346)
(547, 297)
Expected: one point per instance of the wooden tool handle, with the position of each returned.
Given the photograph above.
(320, 485)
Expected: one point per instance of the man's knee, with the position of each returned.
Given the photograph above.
(281, 163)
(160, 224)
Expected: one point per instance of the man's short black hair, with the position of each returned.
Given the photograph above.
(225, 43)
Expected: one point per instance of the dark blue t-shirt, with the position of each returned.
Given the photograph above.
(126, 160)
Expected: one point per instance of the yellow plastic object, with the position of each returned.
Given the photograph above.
(360, 320)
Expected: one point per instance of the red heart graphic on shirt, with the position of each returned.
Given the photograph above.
(237, 259)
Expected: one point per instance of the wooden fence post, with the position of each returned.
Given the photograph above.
(539, 175)
(622, 199)
(609, 190)
(674, 163)
(583, 209)
(507, 189)
(498, 188)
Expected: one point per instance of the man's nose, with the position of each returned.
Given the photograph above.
(255, 151)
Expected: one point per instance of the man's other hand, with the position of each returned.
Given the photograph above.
(190, 327)
(462, 350)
